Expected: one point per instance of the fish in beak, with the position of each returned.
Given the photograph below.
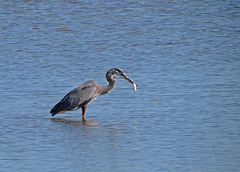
(130, 80)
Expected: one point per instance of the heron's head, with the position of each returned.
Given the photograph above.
(121, 74)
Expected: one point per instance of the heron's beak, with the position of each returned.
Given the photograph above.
(131, 81)
(128, 79)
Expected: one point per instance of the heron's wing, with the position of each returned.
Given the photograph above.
(79, 96)
(76, 98)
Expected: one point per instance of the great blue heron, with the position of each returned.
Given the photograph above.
(83, 95)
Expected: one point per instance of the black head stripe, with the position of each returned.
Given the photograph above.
(119, 70)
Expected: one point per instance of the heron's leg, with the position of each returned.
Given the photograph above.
(84, 108)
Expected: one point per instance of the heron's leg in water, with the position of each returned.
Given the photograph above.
(84, 108)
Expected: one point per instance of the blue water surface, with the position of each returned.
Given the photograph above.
(184, 56)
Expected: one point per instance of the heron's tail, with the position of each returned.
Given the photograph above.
(55, 109)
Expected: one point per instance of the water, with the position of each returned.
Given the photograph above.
(184, 56)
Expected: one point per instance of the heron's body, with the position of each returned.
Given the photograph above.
(83, 95)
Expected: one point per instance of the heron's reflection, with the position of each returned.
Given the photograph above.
(70, 121)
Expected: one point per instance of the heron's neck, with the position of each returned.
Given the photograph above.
(110, 87)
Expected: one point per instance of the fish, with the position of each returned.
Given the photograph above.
(134, 87)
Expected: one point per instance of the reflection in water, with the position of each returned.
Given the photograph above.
(89, 129)
(69, 121)
(137, 132)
